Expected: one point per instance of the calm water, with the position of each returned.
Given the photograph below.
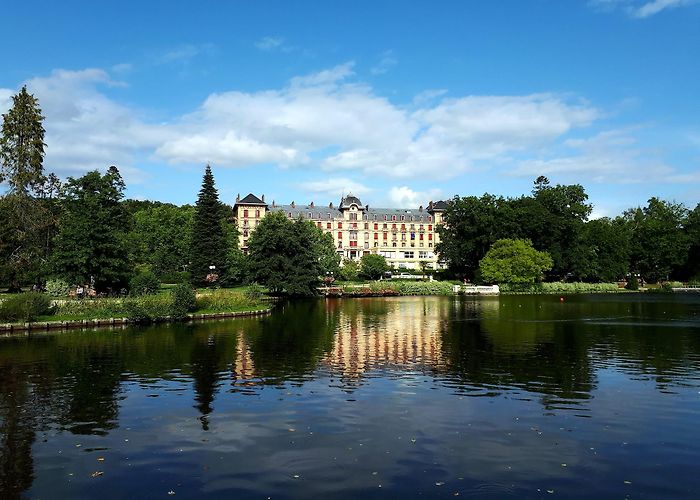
(383, 398)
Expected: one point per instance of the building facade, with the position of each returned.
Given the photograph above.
(405, 237)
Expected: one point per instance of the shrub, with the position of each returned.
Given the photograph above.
(57, 288)
(632, 283)
(183, 300)
(349, 270)
(175, 277)
(254, 292)
(144, 283)
(558, 287)
(225, 300)
(148, 308)
(25, 307)
(373, 266)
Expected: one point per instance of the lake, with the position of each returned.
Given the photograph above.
(406, 397)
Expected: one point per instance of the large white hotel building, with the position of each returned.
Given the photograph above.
(406, 237)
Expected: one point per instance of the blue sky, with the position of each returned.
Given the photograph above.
(398, 102)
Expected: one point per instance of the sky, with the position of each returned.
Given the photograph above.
(398, 102)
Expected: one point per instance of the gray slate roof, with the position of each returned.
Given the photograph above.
(251, 199)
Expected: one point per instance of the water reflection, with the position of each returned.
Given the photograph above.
(329, 386)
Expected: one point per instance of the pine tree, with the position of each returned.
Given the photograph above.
(22, 144)
(208, 247)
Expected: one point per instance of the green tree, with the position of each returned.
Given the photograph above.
(660, 244)
(91, 243)
(514, 261)
(692, 230)
(349, 271)
(283, 256)
(324, 246)
(373, 266)
(160, 238)
(471, 226)
(22, 144)
(208, 241)
(608, 241)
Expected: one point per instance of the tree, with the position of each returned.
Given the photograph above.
(349, 270)
(514, 261)
(471, 226)
(373, 266)
(608, 241)
(692, 230)
(160, 238)
(283, 256)
(91, 243)
(324, 246)
(208, 241)
(660, 244)
(22, 144)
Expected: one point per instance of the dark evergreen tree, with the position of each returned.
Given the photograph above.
(208, 244)
(91, 243)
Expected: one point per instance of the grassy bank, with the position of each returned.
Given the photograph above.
(560, 287)
(165, 305)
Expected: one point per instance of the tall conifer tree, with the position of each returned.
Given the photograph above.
(208, 247)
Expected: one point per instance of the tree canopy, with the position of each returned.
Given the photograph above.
(373, 266)
(91, 243)
(514, 261)
(208, 240)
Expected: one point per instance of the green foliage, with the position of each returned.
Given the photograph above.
(632, 283)
(350, 270)
(183, 301)
(25, 307)
(660, 244)
(57, 288)
(226, 300)
(144, 283)
(324, 248)
(160, 238)
(148, 308)
(557, 287)
(410, 287)
(254, 292)
(608, 242)
(91, 243)
(373, 266)
(283, 256)
(97, 308)
(22, 144)
(513, 261)
(208, 239)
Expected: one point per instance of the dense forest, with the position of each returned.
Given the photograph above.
(82, 231)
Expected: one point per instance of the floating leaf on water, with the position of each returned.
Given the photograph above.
(296, 476)
(97, 473)
(439, 483)
(550, 491)
(628, 482)
(100, 459)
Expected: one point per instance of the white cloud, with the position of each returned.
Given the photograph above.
(335, 187)
(184, 53)
(270, 43)
(640, 8)
(403, 196)
(387, 60)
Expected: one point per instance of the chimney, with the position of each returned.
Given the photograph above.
(263, 198)
(293, 205)
(238, 197)
(312, 204)
(330, 205)
(420, 209)
(367, 207)
(430, 205)
(273, 203)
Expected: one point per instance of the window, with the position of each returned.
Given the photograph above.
(318, 224)
(353, 243)
(309, 215)
(422, 255)
(366, 244)
(430, 245)
(245, 223)
(385, 217)
(403, 227)
(366, 225)
(376, 244)
(430, 227)
(393, 217)
(393, 244)
(329, 215)
(375, 216)
(353, 235)
(366, 236)
(245, 213)
(408, 255)
(385, 227)
(420, 236)
(413, 236)
(385, 236)
(393, 226)
(376, 236)
(430, 218)
(403, 217)
(353, 216)
(340, 235)
(340, 225)
(328, 225)
(354, 225)
(245, 233)
(257, 214)
(289, 214)
(430, 236)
